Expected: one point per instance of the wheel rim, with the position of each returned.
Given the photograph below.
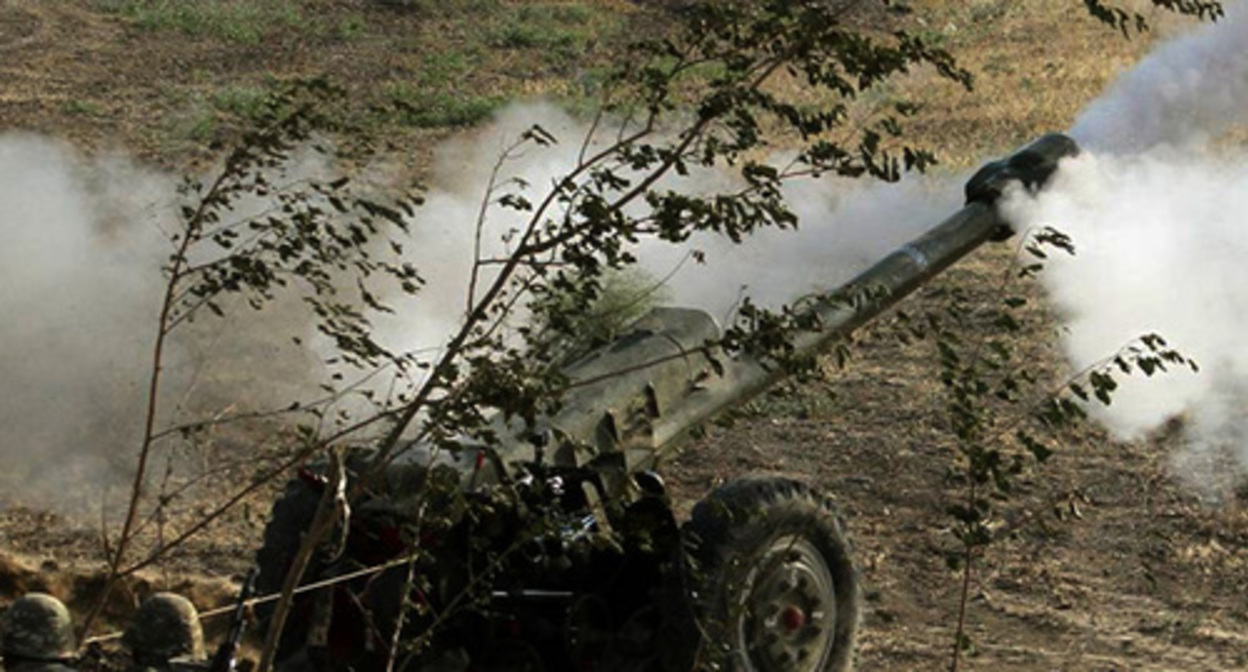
(788, 618)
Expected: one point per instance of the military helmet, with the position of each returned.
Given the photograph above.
(165, 627)
(37, 626)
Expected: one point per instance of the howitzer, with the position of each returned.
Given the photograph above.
(587, 568)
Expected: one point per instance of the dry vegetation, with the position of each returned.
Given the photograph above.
(1107, 564)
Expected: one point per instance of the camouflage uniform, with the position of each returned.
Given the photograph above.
(166, 635)
(38, 635)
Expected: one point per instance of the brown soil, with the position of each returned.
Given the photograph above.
(1103, 561)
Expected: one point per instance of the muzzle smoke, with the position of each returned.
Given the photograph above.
(1158, 210)
(845, 224)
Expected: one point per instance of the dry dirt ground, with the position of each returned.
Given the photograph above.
(1103, 561)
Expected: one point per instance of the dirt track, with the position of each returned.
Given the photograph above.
(1104, 562)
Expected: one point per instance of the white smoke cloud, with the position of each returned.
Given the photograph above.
(85, 242)
(1160, 243)
(444, 229)
(1188, 89)
(71, 300)
(1158, 209)
(844, 225)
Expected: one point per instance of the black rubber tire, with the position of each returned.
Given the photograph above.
(772, 584)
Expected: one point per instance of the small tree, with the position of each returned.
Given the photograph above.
(1005, 414)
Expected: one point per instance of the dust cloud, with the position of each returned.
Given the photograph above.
(82, 282)
(1158, 210)
(78, 315)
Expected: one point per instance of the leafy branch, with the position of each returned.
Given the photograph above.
(1001, 416)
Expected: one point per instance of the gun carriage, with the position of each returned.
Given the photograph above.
(579, 563)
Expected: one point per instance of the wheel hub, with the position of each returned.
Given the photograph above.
(793, 619)
(788, 621)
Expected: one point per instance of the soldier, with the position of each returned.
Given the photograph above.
(166, 635)
(38, 635)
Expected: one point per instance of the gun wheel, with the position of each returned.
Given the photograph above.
(774, 586)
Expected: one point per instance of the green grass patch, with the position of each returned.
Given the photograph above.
(200, 118)
(563, 31)
(444, 68)
(242, 102)
(242, 21)
(430, 108)
(82, 108)
(465, 57)
(349, 28)
(195, 126)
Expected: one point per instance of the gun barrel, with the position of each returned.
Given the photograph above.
(915, 263)
(633, 399)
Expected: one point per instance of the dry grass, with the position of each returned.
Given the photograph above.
(1036, 64)
(166, 90)
(1032, 74)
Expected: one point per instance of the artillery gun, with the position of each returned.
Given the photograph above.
(568, 556)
